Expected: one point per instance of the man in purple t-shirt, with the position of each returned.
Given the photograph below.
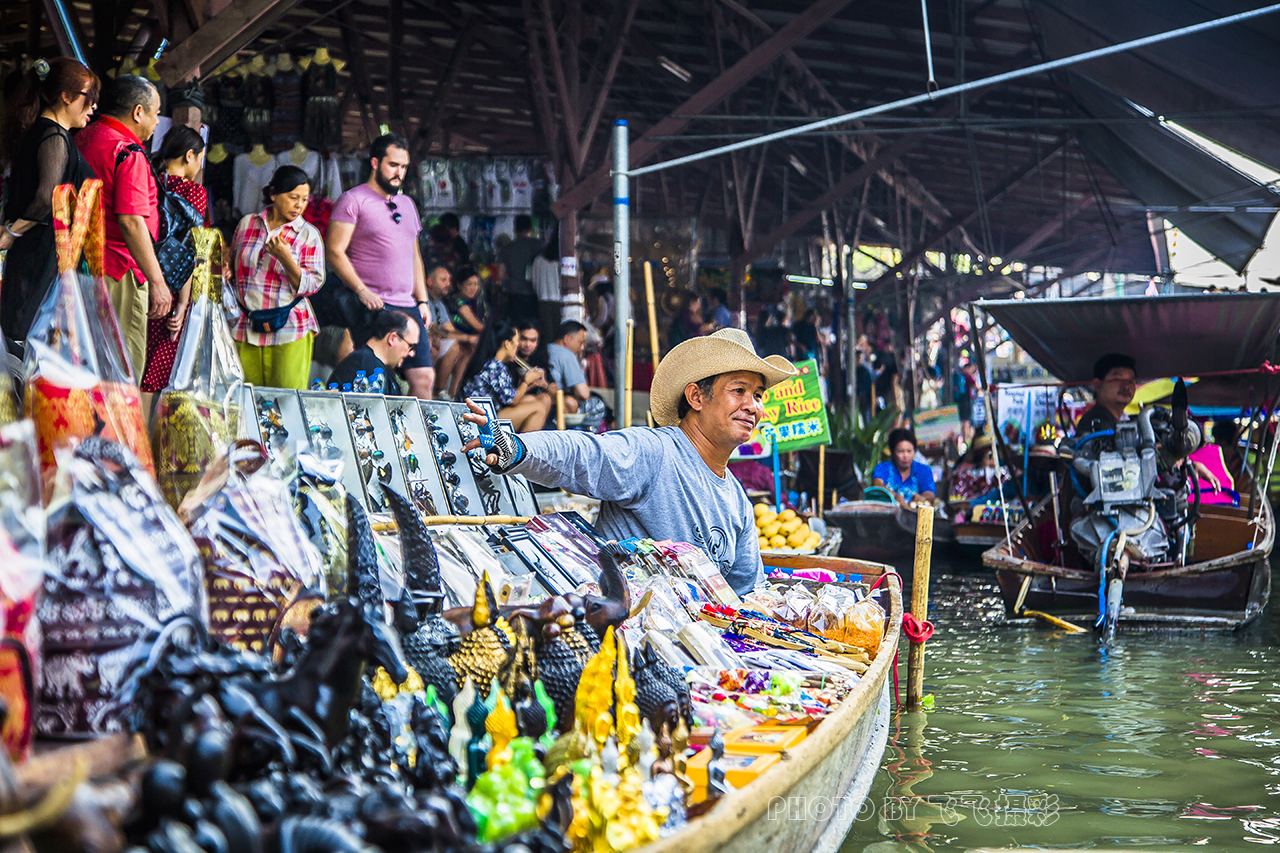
(373, 247)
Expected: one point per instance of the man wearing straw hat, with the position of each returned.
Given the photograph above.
(671, 482)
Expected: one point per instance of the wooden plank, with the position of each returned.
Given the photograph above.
(713, 93)
(220, 36)
(435, 107)
(395, 27)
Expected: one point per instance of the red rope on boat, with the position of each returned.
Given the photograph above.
(917, 631)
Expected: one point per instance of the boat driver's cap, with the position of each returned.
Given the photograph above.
(725, 351)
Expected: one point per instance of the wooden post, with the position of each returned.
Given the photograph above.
(919, 602)
(560, 408)
(631, 350)
(653, 312)
(822, 475)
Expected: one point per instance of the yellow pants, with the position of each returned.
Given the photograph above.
(277, 366)
(130, 299)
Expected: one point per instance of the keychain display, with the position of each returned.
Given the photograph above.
(381, 465)
(413, 443)
(455, 470)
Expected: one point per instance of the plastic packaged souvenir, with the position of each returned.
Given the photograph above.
(321, 503)
(22, 531)
(79, 382)
(259, 561)
(120, 564)
(197, 415)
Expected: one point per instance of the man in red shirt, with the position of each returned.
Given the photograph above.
(128, 112)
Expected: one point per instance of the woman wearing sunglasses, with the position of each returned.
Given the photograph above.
(52, 98)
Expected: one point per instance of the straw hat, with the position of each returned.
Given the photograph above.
(981, 443)
(725, 351)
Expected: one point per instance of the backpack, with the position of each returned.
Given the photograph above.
(175, 250)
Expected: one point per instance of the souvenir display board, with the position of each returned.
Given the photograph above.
(455, 470)
(248, 425)
(413, 445)
(380, 463)
(329, 433)
(280, 420)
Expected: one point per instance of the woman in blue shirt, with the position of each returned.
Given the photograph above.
(910, 481)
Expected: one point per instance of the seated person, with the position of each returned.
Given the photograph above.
(532, 355)
(1114, 383)
(1226, 435)
(909, 480)
(392, 339)
(487, 376)
(1216, 484)
(565, 359)
(975, 476)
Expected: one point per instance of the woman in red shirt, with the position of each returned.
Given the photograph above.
(180, 159)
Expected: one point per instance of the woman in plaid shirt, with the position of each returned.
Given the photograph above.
(279, 261)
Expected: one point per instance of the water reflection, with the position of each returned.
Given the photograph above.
(1039, 739)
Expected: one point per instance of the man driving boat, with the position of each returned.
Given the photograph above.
(671, 482)
(1114, 384)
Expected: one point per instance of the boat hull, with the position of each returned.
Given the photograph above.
(808, 802)
(1220, 594)
(881, 532)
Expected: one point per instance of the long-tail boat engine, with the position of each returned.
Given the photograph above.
(1132, 485)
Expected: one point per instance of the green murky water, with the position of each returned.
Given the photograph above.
(1038, 739)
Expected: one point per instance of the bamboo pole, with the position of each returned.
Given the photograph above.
(560, 408)
(919, 602)
(631, 351)
(653, 313)
(468, 520)
(822, 475)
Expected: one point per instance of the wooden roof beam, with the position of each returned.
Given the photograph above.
(219, 37)
(713, 93)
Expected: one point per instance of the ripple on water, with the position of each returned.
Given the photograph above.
(1167, 740)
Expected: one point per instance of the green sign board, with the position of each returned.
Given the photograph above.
(795, 415)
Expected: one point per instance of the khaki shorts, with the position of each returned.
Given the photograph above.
(130, 298)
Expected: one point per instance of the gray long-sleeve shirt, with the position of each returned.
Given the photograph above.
(653, 484)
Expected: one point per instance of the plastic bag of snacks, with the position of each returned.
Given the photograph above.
(22, 532)
(120, 565)
(863, 625)
(79, 382)
(258, 559)
(197, 415)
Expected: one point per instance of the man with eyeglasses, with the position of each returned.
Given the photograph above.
(392, 342)
(1114, 383)
(373, 247)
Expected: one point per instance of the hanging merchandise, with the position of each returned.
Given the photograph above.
(257, 102)
(198, 415)
(286, 116)
(120, 566)
(321, 123)
(8, 401)
(252, 172)
(521, 190)
(259, 561)
(227, 126)
(78, 379)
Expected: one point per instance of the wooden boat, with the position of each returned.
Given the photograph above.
(880, 530)
(1225, 580)
(1225, 588)
(809, 802)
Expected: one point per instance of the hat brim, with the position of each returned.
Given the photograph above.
(698, 358)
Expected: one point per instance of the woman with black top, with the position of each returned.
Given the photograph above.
(53, 97)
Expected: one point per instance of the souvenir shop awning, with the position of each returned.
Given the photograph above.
(1167, 335)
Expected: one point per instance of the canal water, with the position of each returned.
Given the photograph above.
(1037, 738)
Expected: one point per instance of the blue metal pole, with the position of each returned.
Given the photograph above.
(621, 268)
